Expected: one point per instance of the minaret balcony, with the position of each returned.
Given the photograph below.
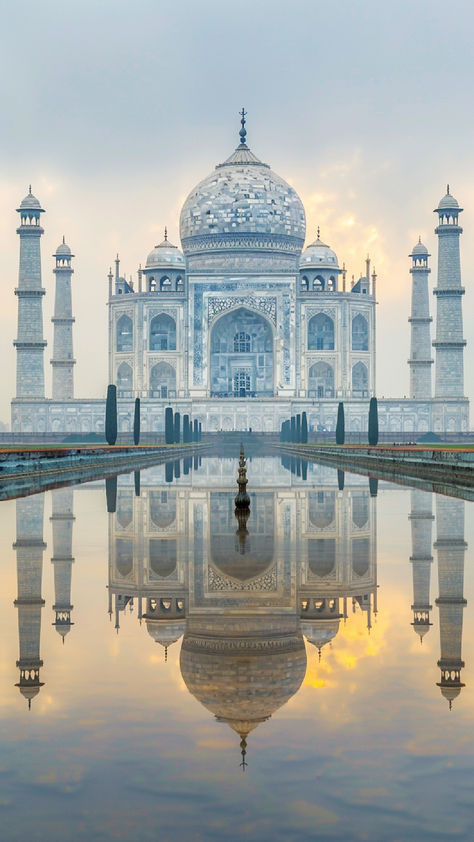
(439, 343)
(23, 345)
(449, 291)
(29, 293)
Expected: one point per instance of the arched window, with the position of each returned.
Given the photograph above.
(321, 333)
(163, 333)
(162, 508)
(162, 381)
(163, 556)
(242, 342)
(321, 380)
(125, 508)
(304, 284)
(321, 508)
(321, 556)
(360, 556)
(165, 284)
(124, 380)
(360, 508)
(360, 333)
(318, 283)
(152, 285)
(124, 556)
(124, 334)
(179, 284)
(331, 284)
(360, 380)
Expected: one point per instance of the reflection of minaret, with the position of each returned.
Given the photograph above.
(29, 548)
(421, 525)
(451, 547)
(62, 519)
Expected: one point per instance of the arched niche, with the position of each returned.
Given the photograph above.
(321, 508)
(320, 333)
(124, 380)
(360, 333)
(163, 556)
(124, 334)
(162, 508)
(251, 559)
(125, 508)
(321, 380)
(360, 508)
(321, 556)
(124, 556)
(162, 380)
(162, 333)
(360, 556)
(241, 355)
(360, 380)
(318, 283)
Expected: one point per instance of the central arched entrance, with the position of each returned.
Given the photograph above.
(241, 356)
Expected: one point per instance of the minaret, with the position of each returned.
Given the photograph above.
(421, 517)
(449, 342)
(29, 548)
(62, 519)
(420, 361)
(29, 343)
(62, 361)
(451, 547)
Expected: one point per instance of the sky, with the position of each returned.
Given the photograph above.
(113, 111)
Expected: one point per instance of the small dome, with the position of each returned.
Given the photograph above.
(448, 202)
(320, 632)
(165, 254)
(318, 255)
(30, 202)
(165, 632)
(420, 249)
(63, 249)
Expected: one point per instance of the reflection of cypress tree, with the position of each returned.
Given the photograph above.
(298, 467)
(111, 415)
(298, 427)
(340, 426)
(169, 426)
(293, 465)
(373, 422)
(200, 432)
(111, 494)
(373, 486)
(340, 480)
(304, 469)
(196, 463)
(136, 422)
(304, 428)
(186, 437)
(169, 472)
(177, 469)
(177, 428)
(186, 466)
(136, 476)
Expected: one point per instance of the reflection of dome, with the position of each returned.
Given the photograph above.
(165, 632)
(318, 255)
(320, 632)
(242, 205)
(243, 679)
(165, 254)
(258, 556)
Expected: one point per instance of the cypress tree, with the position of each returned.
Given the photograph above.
(293, 428)
(177, 428)
(111, 415)
(373, 486)
(200, 432)
(340, 426)
(186, 437)
(373, 422)
(281, 432)
(169, 426)
(304, 428)
(196, 430)
(298, 427)
(111, 494)
(137, 483)
(136, 422)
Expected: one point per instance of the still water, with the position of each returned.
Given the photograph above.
(168, 672)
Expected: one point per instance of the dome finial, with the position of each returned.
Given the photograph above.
(419, 239)
(243, 130)
(318, 232)
(447, 189)
(64, 240)
(166, 234)
(29, 189)
(243, 751)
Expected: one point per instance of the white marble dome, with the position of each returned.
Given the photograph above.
(420, 249)
(318, 255)
(30, 202)
(448, 201)
(165, 255)
(242, 205)
(63, 249)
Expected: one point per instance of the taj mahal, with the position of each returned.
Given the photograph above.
(243, 325)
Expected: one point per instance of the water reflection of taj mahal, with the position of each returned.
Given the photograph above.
(243, 609)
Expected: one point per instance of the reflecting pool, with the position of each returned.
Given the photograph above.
(303, 671)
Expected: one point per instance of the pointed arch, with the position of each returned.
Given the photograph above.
(162, 333)
(124, 334)
(321, 333)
